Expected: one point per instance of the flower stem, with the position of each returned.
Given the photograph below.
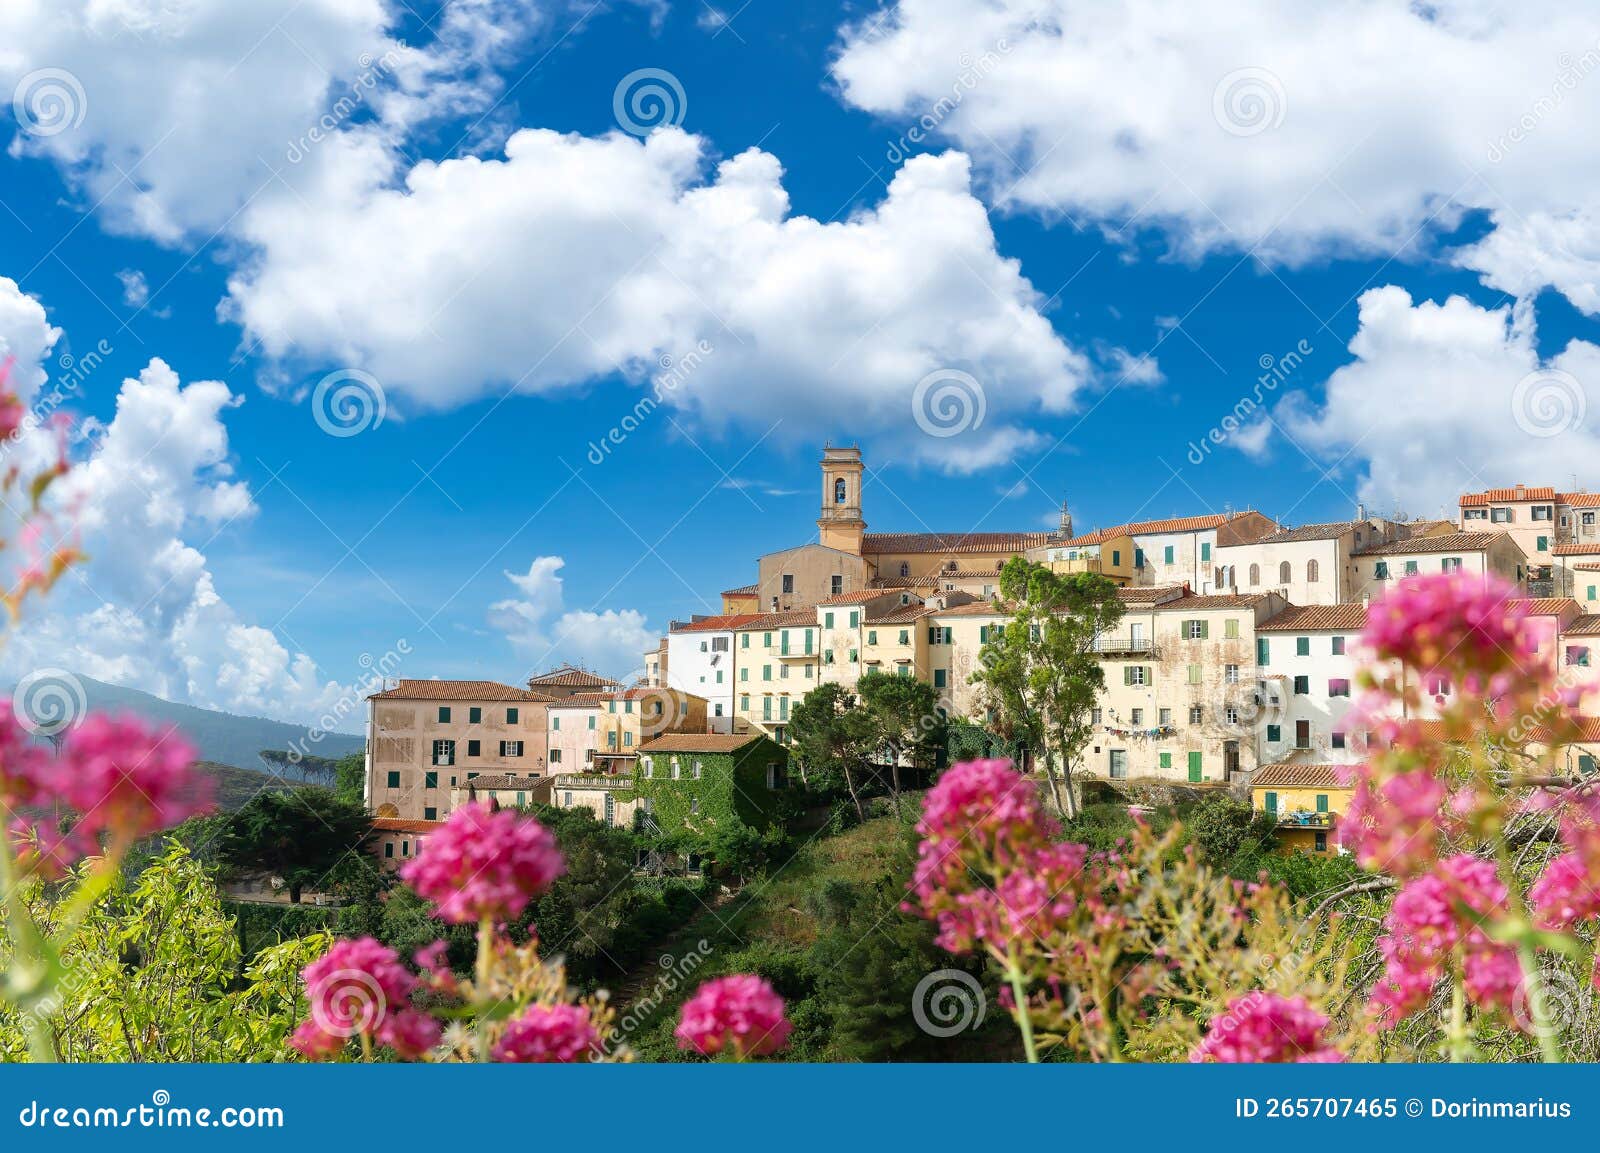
(1019, 994)
(30, 954)
(1539, 1006)
(480, 980)
(1458, 1048)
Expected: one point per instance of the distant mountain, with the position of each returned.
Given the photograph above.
(235, 787)
(220, 737)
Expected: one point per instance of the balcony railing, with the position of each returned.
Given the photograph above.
(1306, 820)
(1143, 646)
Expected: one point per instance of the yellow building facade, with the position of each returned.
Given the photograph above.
(1306, 801)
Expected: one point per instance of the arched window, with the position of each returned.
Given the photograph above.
(1284, 573)
(1255, 575)
(839, 491)
(1311, 571)
(905, 569)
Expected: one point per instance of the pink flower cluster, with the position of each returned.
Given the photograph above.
(741, 1014)
(1458, 621)
(1569, 889)
(113, 776)
(484, 865)
(1394, 826)
(1267, 1028)
(987, 872)
(360, 989)
(548, 1033)
(1435, 917)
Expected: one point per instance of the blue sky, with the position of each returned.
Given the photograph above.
(1109, 242)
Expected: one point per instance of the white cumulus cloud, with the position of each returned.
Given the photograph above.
(541, 630)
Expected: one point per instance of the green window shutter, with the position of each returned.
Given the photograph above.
(430, 780)
(1274, 734)
(1138, 558)
(511, 716)
(855, 619)
(1116, 558)
(394, 780)
(1272, 803)
(591, 724)
(474, 715)
(983, 634)
(1322, 802)
(555, 723)
(431, 814)
(1194, 674)
(1205, 630)
(1166, 758)
(872, 637)
(1127, 674)
(744, 640)
(1263, 650)
(1205, 551)
(766, 708)
(1230, 630)
(827, 620)
(1591, 592)
(1167, 556)
(1196, 771)
(444, 714)
(905, 637)
(1302, 646)
(1544, 544)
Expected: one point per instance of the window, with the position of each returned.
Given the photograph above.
(744, 703)
(1411, 568)
(1337, 739)
(1285, 574)
(1166, 554)
(839, 491)
(1263, 650)
(1380, 570)
(555, 723)
(1338, 646)
(555, 756)
(1138, 558)
(1163, 717)
(444, 714)
(1475, 514)
(777, 775)
(1230, 630)
(872, 636)
(677, 769)
(1541, 512)
(699, 768)
(511, 716)
(1230, 674)
(510, 748)
(1095, 716)
(827, 620)
(430, 814)
(766, 672)
(1339, 687)
(1302, 686)
(1270, 804)
(1116, 557)
(430, 780)
(1311, 572)
(1165, 760)
(1136, 675)
(938, 678)
(1320, 841)
(1197, 715)
(388, 849)
(566, 800)
(855, 618)
(1255, 575)
(444, 752)
(1274, 734)
(788, 583)
(1231, 714)
(1302, 646)
(393, 780)
(1302, 734)
(474, 715)
(905, 569)
(473, 747)
(1500, 515)
(1119, 764)
(591, 724)
(1194, 674)
(1578, 656)
(1450, 564)
(1205, 551)
(1136, 716)
(1543, 544)
(1195, 630)
(836, 584)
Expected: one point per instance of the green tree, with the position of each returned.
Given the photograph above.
(1040, 672)
(350, 778)
(303, 835)
(832, 738)
(905, 720)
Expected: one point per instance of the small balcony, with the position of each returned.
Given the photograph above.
(1303, 820)
(1126, 646)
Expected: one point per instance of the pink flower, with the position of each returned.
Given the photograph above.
(1450, 622)
(1265, 1027)
(978, 808)
(548, 1033)
(1026, 904)
(360, 988)
(741, 1013)
(1430, 918)
(1565, 893)
(483, 865)
(126, 778)
(1394, 826)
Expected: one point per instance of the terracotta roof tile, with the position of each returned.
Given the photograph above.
(1289, 775)
(793, 619)
(1346, 618)
(975, 609)
(1502, 495)
(742, 591)
(504, 781)
(699, 742)
(1580, 499)
(1544, 606)
(1587, 625)
(423, 690)
(403, 825)
(569, 676)
(878, 543)
(1328, 530)
(1576, 549)
(1225, 601)
(580, 701)
(724, 622)
(1146, 594)
(1452, 542)
(903, 615)
(859, 596)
